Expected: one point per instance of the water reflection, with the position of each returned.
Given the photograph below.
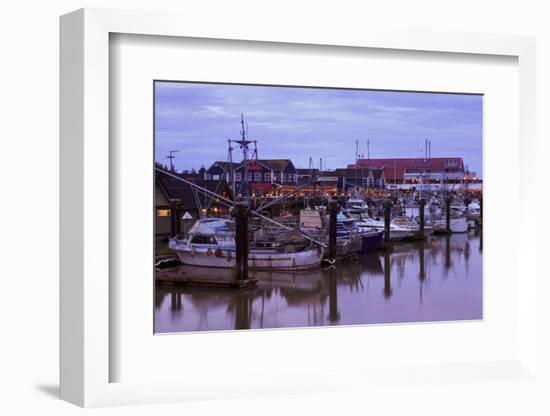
(439, 279)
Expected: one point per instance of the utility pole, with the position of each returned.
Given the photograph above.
(172, 157)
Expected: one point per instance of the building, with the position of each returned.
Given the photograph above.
(267, 176)
(417, 170)
(220, 170)
(363, 177)
(173, 198)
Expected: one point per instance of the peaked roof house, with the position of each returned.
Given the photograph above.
(220, 170)
(173, 198)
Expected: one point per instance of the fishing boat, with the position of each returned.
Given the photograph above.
(347, 228)
(473, 214)
(315, 223)
(211, 243)
(458, 224)
(357, 205)
(397, 231)
(412, 225)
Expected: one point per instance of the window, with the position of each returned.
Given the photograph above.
(249, 176)
(295, 178)
(258, 176)
(208, 176)
(163, 212)
(216, 177)
(267, 176)
(238, 177)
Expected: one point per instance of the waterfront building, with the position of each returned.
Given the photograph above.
(267, 176)
(173, 198)
(220, 170)
(434, 170)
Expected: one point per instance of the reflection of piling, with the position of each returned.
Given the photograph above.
(387, 219)
(333, 314)
(175, 301)
(242, 312)
(422, 204)
(333, 212)
(448, 214)
(447, 252)
(387, 280)
(241, 241)
(422, 273)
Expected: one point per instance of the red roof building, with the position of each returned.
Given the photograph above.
(410, 169)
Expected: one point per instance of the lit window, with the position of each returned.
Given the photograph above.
(215, 177)
(163, 212)
(267, 176)
(238, 176)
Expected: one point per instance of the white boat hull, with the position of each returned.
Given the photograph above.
(458, 225)
(225, 258)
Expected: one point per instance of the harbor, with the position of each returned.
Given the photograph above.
(290, 207)
(319, 250)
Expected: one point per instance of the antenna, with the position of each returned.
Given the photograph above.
(368, 150)
(172, 157)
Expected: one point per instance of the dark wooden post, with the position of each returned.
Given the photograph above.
(448, 214)
(481, 211)
(387, 277)
(387, 219)
(173, 221)
(241, 241)
(332, 243)
(422, 205)
(178, 220)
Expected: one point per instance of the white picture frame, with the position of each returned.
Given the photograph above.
(85, 211)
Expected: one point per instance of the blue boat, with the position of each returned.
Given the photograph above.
(370, 239)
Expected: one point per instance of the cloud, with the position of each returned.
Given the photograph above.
(299, 123)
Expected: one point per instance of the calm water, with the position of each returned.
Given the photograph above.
(438, 280)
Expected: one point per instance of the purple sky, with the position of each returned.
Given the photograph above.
(299, 123)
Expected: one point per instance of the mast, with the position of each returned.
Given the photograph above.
(231, 170)
(244, 143)
(356, 160)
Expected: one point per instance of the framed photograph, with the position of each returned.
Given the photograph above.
(242, 214)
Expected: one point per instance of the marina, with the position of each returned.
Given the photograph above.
(307, 258)
(251, 242)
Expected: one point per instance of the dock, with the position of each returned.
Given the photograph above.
(170, 277)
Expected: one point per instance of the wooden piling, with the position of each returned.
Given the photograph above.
(422, 205)
(448, 214)
(481, 211)
(332, 247)
(241, 240)
(387, 219)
